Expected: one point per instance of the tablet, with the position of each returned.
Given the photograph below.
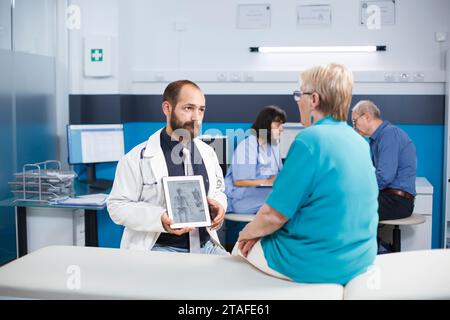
(186, 201)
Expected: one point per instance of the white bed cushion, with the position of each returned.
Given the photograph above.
(124, 274)
(405, 275)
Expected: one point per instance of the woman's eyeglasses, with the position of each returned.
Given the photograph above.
(298, 94)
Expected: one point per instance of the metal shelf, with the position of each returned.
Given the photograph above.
(42, 182)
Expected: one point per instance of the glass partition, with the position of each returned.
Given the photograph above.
(5, 25)
(34, 26)
(27, 98)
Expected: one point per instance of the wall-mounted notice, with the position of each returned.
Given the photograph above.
(314, 15)
(377, 13)
(254, 16)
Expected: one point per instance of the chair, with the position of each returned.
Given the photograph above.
(396, 234)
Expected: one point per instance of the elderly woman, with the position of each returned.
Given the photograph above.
(319, 224)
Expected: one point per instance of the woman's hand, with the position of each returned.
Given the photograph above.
(270, 180)
(246, 245)
(267, 221)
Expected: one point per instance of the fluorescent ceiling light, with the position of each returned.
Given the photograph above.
(317, 49)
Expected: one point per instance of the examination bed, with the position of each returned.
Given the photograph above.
(64, 272)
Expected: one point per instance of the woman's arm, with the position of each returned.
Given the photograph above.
(253, 183)
(267, 221)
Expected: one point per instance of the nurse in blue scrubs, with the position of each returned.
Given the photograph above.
(256, 162)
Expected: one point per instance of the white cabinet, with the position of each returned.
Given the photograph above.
(47, 227)
(446, 182)
(416, 237)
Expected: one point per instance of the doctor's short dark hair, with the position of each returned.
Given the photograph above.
(263, 122)
(173, 89)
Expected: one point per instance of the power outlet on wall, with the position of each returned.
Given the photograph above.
(248, 77)
(159, 77)
(180, 26)
(222, 76)
(389, 77)
(403, 77)
(235, 76)
(440, 36)
(419, 77)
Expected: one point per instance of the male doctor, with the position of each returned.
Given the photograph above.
(137, 200)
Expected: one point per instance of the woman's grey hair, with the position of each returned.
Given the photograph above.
(334, 84)
(367, 106)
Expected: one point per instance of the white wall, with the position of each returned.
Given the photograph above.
(98, 17)
(148, 47)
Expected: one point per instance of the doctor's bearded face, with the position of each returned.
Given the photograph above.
(188, 113)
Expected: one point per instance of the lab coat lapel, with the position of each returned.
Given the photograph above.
(209, 164)
(155, 156)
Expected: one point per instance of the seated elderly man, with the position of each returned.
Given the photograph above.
(394, 158)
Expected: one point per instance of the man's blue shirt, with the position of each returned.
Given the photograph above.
(394, 158)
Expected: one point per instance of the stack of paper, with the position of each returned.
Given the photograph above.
(97, 199)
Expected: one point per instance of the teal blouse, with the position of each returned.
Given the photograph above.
(328, 191)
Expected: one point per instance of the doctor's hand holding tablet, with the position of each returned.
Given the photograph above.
(167, 222)
(188, 207)
(216, 211)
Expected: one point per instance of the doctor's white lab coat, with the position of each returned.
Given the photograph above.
(137, 199)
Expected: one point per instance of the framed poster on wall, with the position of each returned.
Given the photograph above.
(314, 15)
(254, 16)
(377, 13)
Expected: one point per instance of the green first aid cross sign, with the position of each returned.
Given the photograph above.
(96, 55)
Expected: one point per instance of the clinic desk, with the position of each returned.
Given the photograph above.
(90, 217)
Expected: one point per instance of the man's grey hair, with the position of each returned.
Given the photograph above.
(367, 106)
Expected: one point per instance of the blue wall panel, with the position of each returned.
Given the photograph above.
(427, 138)
(429, 141)
(109, 234)
(138, 132)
